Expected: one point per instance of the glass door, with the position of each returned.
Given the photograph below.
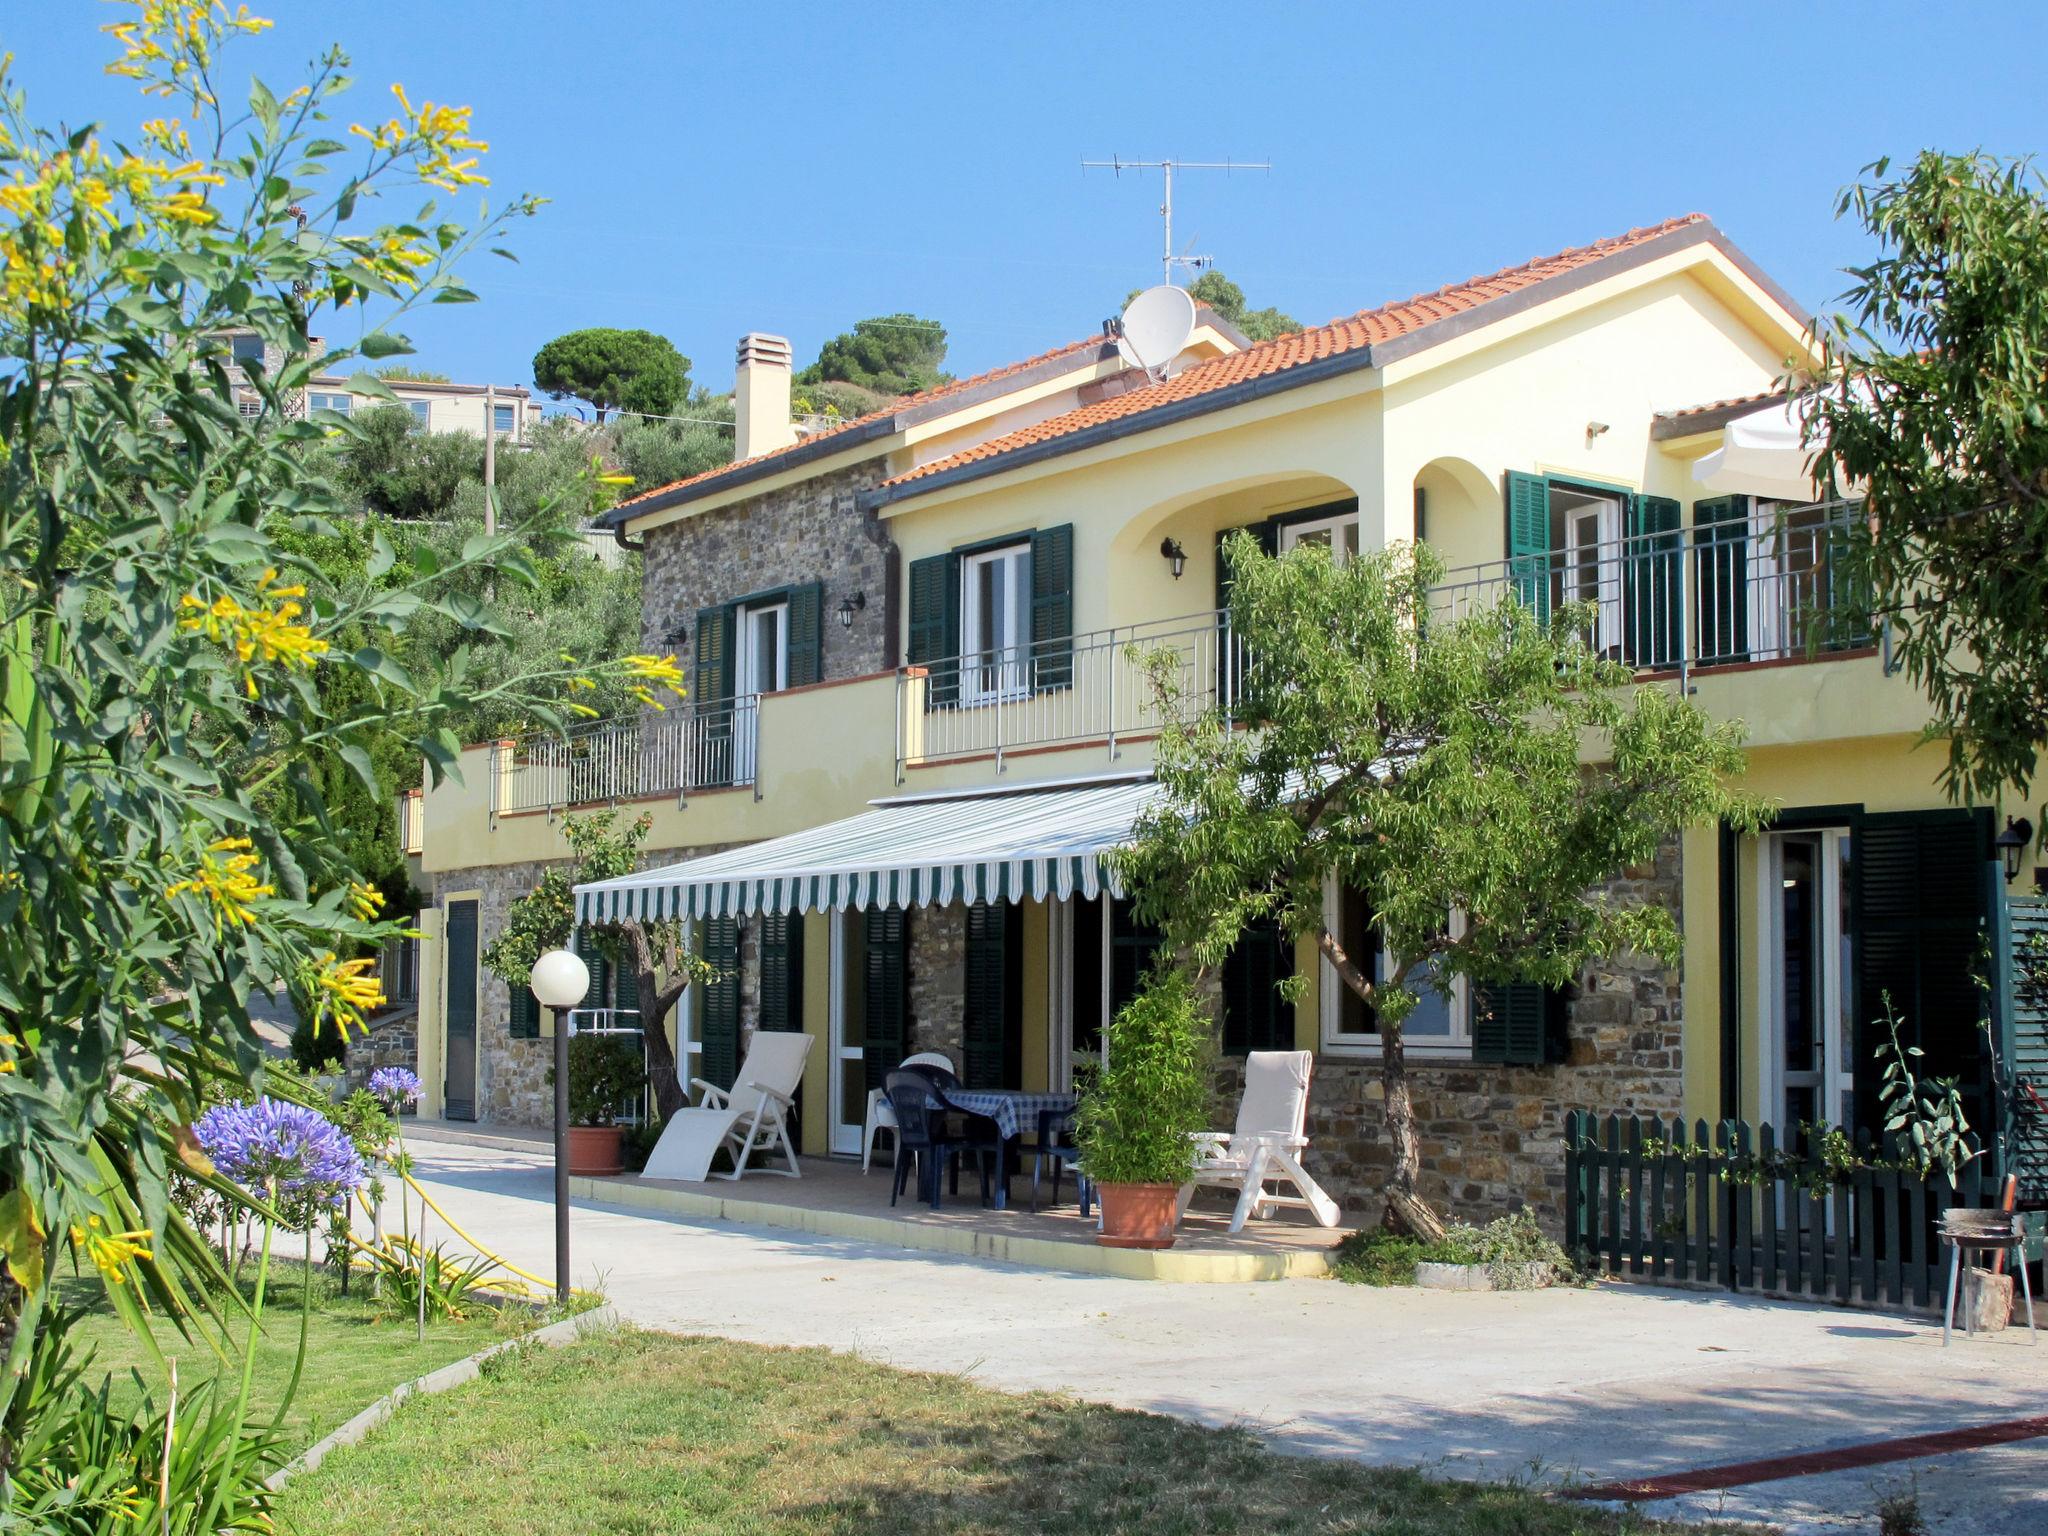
(1591, 567)
(1808, 1023)
(761, 666)
(849, 1067)
(995, 624)
(1339, 535)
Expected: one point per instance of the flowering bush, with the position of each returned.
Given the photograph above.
(275, 1148)
(395, 1087)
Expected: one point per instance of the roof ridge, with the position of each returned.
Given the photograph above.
(898, 404)
(1356, 333)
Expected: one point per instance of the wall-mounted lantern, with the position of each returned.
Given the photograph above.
(849, 606)
(1174, 555)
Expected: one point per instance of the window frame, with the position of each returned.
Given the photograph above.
(1334, 1040)
(1291, 534)
(1012, 660)
(510, 417)
(422, 413)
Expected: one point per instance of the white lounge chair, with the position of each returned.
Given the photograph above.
(1267, 1145)
(752, 1116)
(883, 1118)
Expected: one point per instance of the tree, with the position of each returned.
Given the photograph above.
(1934, 395)
(1227, 299)
(614, 370)
(1434, 765)
(390, 466)
(890, 354)
(545, 919)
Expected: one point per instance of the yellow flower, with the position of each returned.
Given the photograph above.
(344, 990)
(224, 878)
(435, 135)
(615, 480)
(170, 43)
(366, 901)
(583, 710)
(655, 669)
(272, 635)
(581, 683)
(111, 1252)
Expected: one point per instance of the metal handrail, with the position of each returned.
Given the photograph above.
(686, 749)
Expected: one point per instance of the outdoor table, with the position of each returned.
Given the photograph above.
(1013, 1110)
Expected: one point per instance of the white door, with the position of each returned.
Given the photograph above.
(995, 624)
(1806, 980)
(1592, 567)
(849, 1062)
(762, 666)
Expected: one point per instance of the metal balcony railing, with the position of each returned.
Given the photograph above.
(1094, 690)
(1783, 584)
(669, 754)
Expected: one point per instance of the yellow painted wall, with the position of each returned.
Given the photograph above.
(433, 1022)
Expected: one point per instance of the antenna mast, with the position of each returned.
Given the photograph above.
(1118, 165)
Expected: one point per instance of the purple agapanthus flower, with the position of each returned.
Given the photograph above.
(272, 1144)
(395, 1086)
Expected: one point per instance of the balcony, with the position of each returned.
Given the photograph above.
(649, 757)
(1783, 585)
(994, 704)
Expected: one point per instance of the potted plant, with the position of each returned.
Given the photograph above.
(1137, 1118)
(605, 1072)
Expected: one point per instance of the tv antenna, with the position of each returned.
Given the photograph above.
(1170, 260)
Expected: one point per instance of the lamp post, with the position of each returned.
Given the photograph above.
(560, 981)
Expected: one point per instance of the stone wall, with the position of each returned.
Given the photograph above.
(393, 1041)
(1493, 1136)
(808, 532)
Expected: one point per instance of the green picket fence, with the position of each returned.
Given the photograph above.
(1731, 1206)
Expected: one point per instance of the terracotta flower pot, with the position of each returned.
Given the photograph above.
(1137, 1215)
(597, 1151)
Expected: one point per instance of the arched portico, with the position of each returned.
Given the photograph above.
(1458, 512)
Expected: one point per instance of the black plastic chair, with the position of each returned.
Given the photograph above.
(1055, 1145)
(928, 1127)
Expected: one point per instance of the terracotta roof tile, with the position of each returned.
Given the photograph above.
(1286, 352)
(893, 408)
(1714, 407)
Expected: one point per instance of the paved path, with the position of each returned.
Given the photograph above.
(1580, 1385)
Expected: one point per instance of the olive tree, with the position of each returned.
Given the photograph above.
(1479, 778)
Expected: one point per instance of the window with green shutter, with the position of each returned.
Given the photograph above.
(992, 1002)
(806, 634)
(1052, 607)
(885, 998)
(1919, 924)
(1721, 559)
(599, 992)
(1652, 577)
(718, 1009)
(1527, 499)
(934, 615)
(713, 665)
(782, 971)
(1132, 947)
(1518, 1024)
(525, 1019)
(1255, 1016)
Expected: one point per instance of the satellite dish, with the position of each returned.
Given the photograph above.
(1156, 325)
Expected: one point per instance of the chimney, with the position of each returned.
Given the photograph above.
(760, 390)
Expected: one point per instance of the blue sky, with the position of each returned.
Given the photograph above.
(720, 168)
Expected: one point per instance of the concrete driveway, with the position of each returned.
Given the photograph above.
(1558, 1386)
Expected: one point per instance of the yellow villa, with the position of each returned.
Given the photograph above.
(913, 725)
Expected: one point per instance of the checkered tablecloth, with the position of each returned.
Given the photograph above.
(1013, 1110)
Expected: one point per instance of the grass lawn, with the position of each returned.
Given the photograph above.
(637, 1432)
(356, 1349)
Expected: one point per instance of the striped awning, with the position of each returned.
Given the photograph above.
(1022, 846)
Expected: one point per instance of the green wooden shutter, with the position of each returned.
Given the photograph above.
(525, 1020)
(782, 971)
(718, 1013)
(1255, 1016)
(1132, 946)
(1512, 1024)
(1528, 536)
(1721, 539)
(713, 665)
(993, 1036)
(1052, 606)
(2025, 1138)
(935, 626)
(1654, 574)
(599, 993)
(1920, 919)
(806, 636)
(886, 999)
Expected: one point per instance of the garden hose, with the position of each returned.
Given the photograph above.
(524, 1292)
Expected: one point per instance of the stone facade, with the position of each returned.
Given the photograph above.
(935, 959)
(808, 532)
(1493, 1136)
(393, 1041)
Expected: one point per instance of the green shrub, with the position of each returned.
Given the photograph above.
(1376, 1256)
(1137, 1118)
(1504, 1246)
(605, 1072)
